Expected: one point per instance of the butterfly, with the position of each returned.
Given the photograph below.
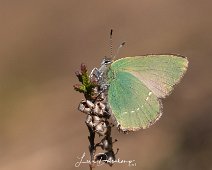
(137, 84)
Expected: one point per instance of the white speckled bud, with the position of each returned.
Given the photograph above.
(89, 121)
(96, 120)
(84, 109)
(81, 107)
(90, 104)
(99, 108)
(96, 109)
(101, 128)
(101, 105)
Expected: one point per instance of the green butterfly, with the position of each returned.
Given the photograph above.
(136, 85)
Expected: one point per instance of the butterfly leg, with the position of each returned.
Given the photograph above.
(95, 73)
(98, 75)
(104, 87)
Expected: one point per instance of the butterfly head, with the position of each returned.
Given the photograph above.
(106, 62)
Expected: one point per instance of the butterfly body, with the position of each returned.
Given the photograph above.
(135, 86)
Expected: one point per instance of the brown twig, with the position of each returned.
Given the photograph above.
(92, 148)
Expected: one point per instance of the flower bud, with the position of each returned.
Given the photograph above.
(79, 76)
(83, 68)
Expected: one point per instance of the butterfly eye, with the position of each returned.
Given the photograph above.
(106, 62)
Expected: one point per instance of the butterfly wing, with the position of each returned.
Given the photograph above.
(133, 105)
(137, 83)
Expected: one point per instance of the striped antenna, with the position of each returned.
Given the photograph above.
(111, 43)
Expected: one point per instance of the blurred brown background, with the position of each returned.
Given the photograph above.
(42, 44)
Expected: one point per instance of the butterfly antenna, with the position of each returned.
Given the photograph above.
(111, 43)
(117, 52)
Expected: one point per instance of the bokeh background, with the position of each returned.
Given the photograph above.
(42, 44)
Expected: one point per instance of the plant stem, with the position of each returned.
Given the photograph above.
(92, 148)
